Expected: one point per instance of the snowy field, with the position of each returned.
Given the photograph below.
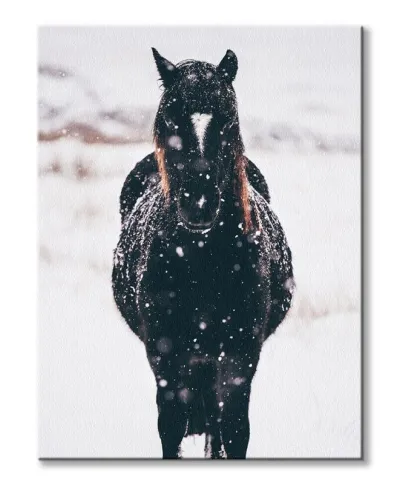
(97, 393)
(300, 110)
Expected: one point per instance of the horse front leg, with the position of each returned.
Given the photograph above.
(172, 401)
(213, 446)
(234, 376)
(172, 416)
(235, 427)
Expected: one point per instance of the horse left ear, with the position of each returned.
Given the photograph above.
(165, 68)
(228, 66)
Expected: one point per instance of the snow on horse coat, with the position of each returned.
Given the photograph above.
(202, 270)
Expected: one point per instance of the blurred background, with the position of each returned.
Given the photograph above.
(298, 91)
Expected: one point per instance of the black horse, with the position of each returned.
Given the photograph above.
(202, 270)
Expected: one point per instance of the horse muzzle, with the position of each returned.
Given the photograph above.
(198, 211)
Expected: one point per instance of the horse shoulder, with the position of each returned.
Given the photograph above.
(281, 268)
(257, 180)
(136, 183)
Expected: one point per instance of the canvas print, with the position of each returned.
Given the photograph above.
(199, 242)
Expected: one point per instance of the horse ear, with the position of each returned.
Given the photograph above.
(165, 68)
(228, 66)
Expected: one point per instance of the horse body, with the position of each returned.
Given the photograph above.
(202, 300)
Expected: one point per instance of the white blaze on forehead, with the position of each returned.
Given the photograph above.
(200, 122)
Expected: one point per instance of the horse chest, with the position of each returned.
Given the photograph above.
(196, 283)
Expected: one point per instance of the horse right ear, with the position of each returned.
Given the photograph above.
(228, 66)
(165, 68)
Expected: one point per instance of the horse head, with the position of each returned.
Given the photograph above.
(199, 147)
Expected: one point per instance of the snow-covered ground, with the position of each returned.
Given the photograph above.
(298, 92)
(97, 393)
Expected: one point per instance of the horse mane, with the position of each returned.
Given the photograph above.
(241, 182)
(242, 190)
(162, 169)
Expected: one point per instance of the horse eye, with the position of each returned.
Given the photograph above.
(170, 123)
